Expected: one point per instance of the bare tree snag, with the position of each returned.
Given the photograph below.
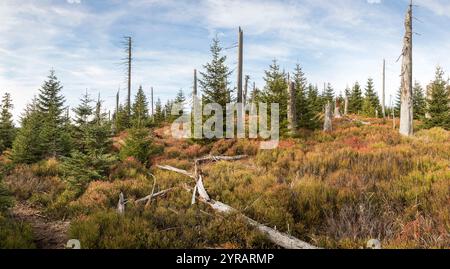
(194, 90)
(346, 106)
(240, 64)
(292, 111)
(129, 59)
(153, 102)
(337, 112)
(328, 125)
(383, 94)
(406, 112)
(246, 89)
(121, 204)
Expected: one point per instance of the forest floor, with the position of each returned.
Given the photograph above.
(48, 234)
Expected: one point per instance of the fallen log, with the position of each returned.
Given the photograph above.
(151, 196)
(220, 158)
(176, 170)
(276, 237)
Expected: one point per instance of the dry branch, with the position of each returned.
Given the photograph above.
(276, 237)
(151, 196)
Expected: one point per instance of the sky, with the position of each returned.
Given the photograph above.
(335, 41)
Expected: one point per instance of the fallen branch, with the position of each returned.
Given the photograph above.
(151, 196)
(276, 237)
(176, 170)
(220, 158)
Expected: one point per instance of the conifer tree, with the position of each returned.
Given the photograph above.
(314, 104)
(158, 117)
(371, 103)
(328, 94)
(50, 104)
(139, 110)
(301, 100)
(27, 146)
(275, 91)
(180, 100)
(213, 80)
(419, 102)
(355, 100)
(438, 105)
(7, 129)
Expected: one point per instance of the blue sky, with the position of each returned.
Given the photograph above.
(339, 41)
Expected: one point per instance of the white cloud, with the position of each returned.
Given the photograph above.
(74, 1)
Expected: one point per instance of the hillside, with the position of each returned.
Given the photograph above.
(332, 190)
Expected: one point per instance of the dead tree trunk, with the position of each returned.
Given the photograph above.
(383, 94)
(337, 112)
(129, 59)
(346, 106)
(121, 204)
(406, 113)
(240, 64)
(246, 89)
(292, 110)
(152, 100)
(276, 237)
(327, 125)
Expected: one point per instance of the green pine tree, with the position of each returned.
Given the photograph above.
(371, 103)
(213, 80)
(7, 129)
(328, 94)
(158, 117)
(438, 105)
(139, 110)
(275, 91)
(139, 145)
(27, 146)
(314, 104)
(419, 102)
(50, 104)
(398, 103)
(355, 100)
(301, 88)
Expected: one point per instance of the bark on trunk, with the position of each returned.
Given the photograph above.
(292, 110)
(327, 125)
(406, 113)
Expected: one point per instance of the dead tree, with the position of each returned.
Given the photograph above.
(383, 94)
(346, 105)
(128, 44)
(328, 125)
(151, 95)
(240, 64)
(194, 90)
(121, 204)
(406, 112)
(246, 89)
(337, 112)
(292, 111)
(276, 237)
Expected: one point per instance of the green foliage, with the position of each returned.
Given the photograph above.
(15, 235)
(371, 104)
(419, 102)
(314, 105)
(158, 117)
(139, 110)
(328, 94)
(213, 81)
(7, 129)
(355, 100)
(438, 104)
(301, 88)
(27, 147)
(81, 168)
(275, 91)
(138, 145)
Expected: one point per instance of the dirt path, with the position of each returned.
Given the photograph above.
(48, 234)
